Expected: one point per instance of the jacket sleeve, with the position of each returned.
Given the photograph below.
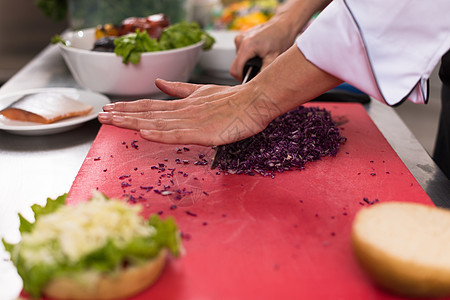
(387, 49)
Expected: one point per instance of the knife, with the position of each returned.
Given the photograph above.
(250, 70)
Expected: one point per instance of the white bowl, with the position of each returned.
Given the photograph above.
(104, 72)
(218, 60)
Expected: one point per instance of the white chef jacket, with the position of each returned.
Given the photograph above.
(385, 48)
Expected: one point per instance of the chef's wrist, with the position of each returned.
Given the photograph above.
(291, 80)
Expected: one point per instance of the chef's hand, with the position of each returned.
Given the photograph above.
(205, 115)
(272, 38)
(267, 40)
(216, 115)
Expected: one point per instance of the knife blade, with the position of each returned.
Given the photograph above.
(250, 70)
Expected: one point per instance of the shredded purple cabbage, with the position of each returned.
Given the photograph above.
(304, 134)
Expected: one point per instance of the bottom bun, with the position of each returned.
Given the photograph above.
(126, 283)
(405, 247)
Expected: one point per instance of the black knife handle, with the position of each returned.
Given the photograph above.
(254, 65)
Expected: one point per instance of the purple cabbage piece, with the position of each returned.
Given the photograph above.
(290, 141)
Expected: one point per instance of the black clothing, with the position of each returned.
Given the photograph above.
(442, 147)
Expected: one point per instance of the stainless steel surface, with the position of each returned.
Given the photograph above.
(412, 153)
(33, 168)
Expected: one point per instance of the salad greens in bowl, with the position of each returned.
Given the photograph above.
(137, 58)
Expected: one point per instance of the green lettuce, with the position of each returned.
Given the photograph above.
(58, 39)
(37, 275)
(182, 34)
(109, 258)
(130, 46)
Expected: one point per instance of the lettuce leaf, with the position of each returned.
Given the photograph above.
(36, 277)
(38, 274)
(166, 233)
(130, 46)
(182, 34)
(58, 39)
(26, 226)
(50, 206)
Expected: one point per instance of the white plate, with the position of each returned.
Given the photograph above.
(29, 128)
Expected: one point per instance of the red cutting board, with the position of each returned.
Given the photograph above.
(255, 237)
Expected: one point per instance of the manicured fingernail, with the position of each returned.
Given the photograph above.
(104, 116)
(108, 107)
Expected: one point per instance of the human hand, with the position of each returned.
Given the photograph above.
(272, 38)
(267, 40)
(205, 115)
(215, 115)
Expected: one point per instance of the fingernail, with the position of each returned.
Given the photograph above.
(108, 107)
(104, 116)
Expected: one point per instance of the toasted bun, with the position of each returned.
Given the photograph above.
(405, 247)
(128, 282)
